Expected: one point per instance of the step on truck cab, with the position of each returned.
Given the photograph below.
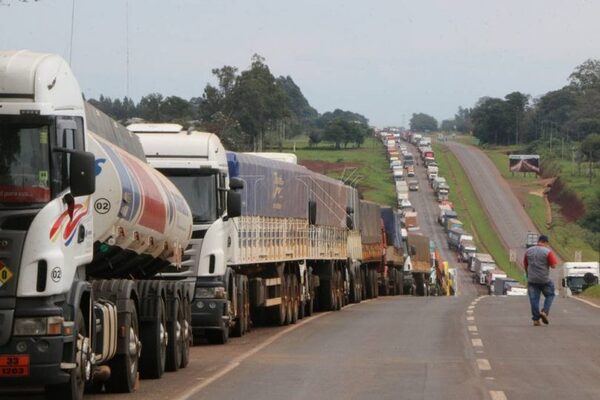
(85, 226)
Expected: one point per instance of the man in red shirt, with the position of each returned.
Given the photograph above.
(538, 261)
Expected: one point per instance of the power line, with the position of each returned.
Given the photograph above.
(72, 30)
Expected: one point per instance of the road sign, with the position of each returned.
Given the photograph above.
(512, 256)
(577, 256)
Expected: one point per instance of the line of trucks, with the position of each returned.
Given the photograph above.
(427, 273)
(119, 246)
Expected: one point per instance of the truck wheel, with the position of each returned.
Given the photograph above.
(326, 297)
(186, 330)
(289, 310)
(295, 299)
(73, 390)
(238, 329)
(174, 330)
(310, 303)
(154, 344)
(124, 367)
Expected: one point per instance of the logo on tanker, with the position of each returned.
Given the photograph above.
(66, 225)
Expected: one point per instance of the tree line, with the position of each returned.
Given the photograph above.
(250, 110)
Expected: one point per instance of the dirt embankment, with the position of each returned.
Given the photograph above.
(571, 206)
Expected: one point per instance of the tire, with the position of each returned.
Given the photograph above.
(374, 280)
(295, 297)
(188, 336)
(124, 367)
(154, 344)
(310, 304)
(74, 388)
(238, 329)
(174, 330)
(326, 298)
(290, 301)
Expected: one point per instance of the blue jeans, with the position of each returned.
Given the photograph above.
(534, 290)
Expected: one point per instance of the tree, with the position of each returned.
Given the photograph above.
(257, 100)
(489, 118)
(149, 107)
(447, 125)
(586, 75)
(423, 123)
(516, 104)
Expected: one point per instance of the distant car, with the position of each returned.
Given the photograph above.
(413, 186)
(410, 173)
(405, 204)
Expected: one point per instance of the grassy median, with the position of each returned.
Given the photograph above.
(592, 292)
(471, 213)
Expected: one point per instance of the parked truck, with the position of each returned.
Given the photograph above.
(373, 266)
(420, 264)
(480, 264)
(456, 236)
(395, 252)
(578, 276)
(86, 227)
(292, 247)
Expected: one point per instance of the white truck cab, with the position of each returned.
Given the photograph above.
(578, 276)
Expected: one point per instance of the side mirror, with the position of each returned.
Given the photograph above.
(564, 282)
(312, 212)
(234, 204)
(236, 183)
(83, 174)
(349, 222)
(349, 210)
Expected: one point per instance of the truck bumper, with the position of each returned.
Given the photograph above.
(208, 314)
(45, 357)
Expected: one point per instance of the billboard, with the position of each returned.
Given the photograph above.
(524, 163)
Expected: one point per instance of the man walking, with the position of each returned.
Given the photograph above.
(538, 261)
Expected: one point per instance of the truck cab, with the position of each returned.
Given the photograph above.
(196, 162)
(578, 276)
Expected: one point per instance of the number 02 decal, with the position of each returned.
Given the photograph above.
(102, 206)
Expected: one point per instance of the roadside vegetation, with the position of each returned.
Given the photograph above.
(364, 167)
(471, 213)
(592, 292)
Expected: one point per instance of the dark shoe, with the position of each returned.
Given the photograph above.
(544, 317)
(536, 323)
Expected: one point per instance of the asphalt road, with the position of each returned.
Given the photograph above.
(425, 202)
(506, 213)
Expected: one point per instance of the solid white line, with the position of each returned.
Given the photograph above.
(233, 364)
(472, 328)
(483, 364)
(497, 395)
(477, 342)
(589, 303)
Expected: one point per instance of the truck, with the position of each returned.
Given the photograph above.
(466, 249)
(531, 239)
(373, 265)
(437, 181)
(578, 276)
(86, 228)
(456, 236)
(401, 191)
(395, 250)
(290, 247)
(450, 223)
(446, 213)
(419, 265)
(398, 174)
(490, 278)
(410, 220)
(479, 265)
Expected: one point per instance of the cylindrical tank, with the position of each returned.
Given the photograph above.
(135, 207)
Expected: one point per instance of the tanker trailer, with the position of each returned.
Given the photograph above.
(84, 229)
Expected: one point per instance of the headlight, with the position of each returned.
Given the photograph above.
(38, 326)
(217, 292)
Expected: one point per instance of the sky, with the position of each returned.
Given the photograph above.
(383, 59)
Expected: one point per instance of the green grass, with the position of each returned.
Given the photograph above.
(371, 172)
(566, 237)
(471, 213)
(592, 292)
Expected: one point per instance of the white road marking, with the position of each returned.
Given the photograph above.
(470, 318)
(497, 395)
(470, 307)
(233, 364)
(589, 303)
(483, 364)
(469, 311)
(472, 328)
(477, 342)
(479, 351)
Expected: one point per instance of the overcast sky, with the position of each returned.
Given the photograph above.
(383, 59)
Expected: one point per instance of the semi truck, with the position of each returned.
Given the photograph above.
(86, 227)
(395, 249)
(420, 264)
(373, 265)
(578, 276)
(290, 246)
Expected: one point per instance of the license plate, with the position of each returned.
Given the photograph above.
(14, 366)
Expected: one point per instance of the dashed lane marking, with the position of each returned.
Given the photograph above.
(469, 311)
(472, 328)
(483, 364)
(477, 342)
(470, 318)
(497, 395)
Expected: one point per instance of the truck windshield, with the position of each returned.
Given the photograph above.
(200, 192)
(24, 162)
